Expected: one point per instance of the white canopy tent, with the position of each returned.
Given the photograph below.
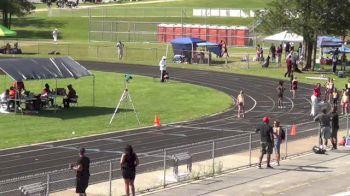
(284, 36)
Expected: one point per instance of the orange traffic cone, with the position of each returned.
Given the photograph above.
(156, 121)
(293, 130)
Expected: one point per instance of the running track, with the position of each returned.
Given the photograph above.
(260, 101)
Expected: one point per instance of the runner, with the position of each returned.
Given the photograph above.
(240, 100)
(280, 91)
(294, 86)
(315, 99)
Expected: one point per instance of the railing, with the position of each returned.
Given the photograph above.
(156, 170)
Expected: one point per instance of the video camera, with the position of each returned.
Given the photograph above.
(128, 77)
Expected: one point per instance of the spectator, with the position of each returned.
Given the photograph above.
(46, 94)
(120, 49)
(82, 168)
(19, 86)
(4, 98)
(325, 128)
(289, 65)
(277, 139)
(335, 128)
(287, 48)
(294, 86)
(162, 68)
(279, 54)
(55, 34)
(70, 97)
(344, 62)
(335, 60)
(128, 164)
(345, 102)
(280, 91)
(335, 97)
(240, 100)
(273, 52)
(329, 89)
(266, 141)
(315, 99)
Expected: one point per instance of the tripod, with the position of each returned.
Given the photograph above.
(126, 98)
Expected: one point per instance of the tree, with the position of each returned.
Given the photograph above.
(308, 18)
(19, 8)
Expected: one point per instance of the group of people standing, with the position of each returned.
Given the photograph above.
(128, 163)
(271, 138)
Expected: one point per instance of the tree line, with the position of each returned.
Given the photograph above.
(309, 18)
(10, 8)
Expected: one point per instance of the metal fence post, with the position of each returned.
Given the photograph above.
(286, 144)
(164, 162)
(213, 156)
(248, 60)
(347, 125)
(110, 178)
(48, 185)
(250, 149)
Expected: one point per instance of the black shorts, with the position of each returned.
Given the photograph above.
(280, 95)
(81, 184)
(334, 133)
(129, 174)
(266, 147)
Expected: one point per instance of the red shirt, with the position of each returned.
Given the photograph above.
(317, 92)
(12, 94)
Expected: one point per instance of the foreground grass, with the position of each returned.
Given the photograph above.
(149, 96)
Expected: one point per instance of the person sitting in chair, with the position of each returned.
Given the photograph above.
(4, 99)
(46, 93)
(70, 97)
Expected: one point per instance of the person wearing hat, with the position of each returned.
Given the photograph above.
(266, 140)
(70, 97)
(82, 167)
(162, 68)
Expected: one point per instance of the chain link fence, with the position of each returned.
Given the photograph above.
(167, 166)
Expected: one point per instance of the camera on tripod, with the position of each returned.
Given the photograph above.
(128, 77)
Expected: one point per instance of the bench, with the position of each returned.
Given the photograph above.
(38, 189)
(184, 157)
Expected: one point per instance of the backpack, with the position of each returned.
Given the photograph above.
(283, 134)
(318, 150)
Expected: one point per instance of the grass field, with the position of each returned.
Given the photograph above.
(74, 27)
(172, 101)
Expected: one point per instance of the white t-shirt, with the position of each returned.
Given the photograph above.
(3, 97)
(162, 65)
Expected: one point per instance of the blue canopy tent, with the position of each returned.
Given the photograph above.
(211, 47)
(341, 49)
(185, 46)
(329, 41)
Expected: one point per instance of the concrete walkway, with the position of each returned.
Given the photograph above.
(310, 174)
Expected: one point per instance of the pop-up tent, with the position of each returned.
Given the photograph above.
(329, 41)
(21, 69)
(185, 44)
(284, 36)
(342, 49)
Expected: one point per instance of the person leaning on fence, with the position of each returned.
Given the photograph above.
(325, 128)
(82, 167)
(266, 140)
(128, 164)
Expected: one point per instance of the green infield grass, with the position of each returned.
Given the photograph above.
(173, 101)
